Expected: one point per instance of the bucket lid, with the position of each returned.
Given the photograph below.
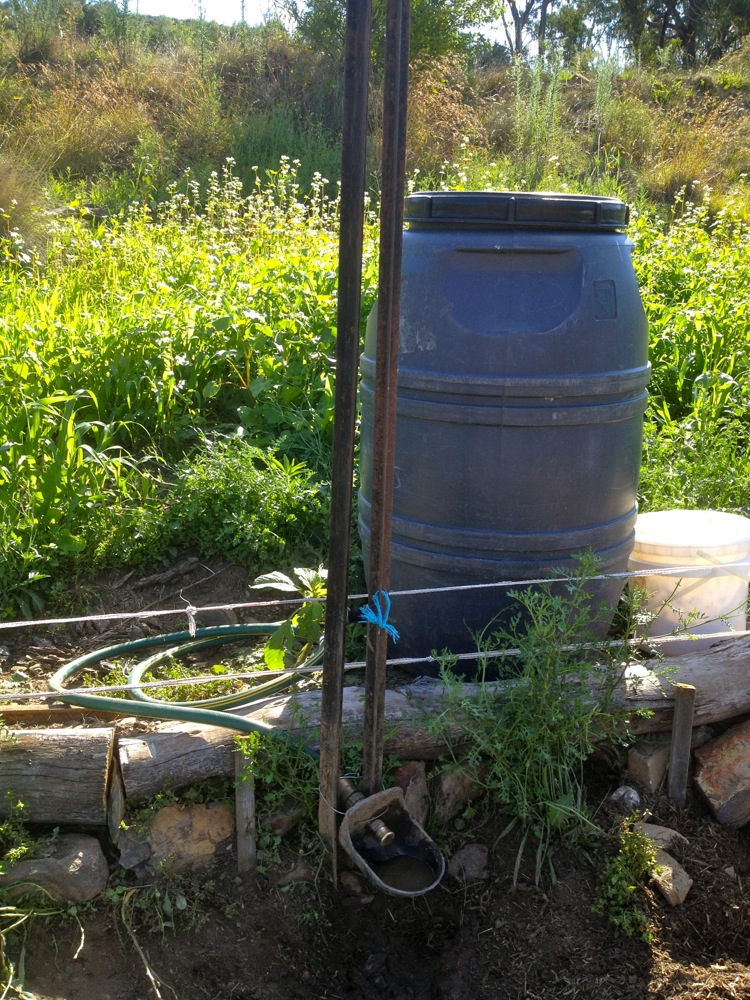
(685, 531)
(519, 210)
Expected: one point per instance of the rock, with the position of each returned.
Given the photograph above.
(218, 616)
(723, 774)
(470, 863)
(452, 790)
(352, 883)
(672, 881)
(302, 872)
(75, 870)
(186, 837)
(648, 759)
(624, 800)
(662, 837)
(647, 763)
(701, 736)
(134, 847)
(284, 819)
(412, 780)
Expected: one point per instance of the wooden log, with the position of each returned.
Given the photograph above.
(721, 676)
(60, 775)
(175, 756)
(44, 716)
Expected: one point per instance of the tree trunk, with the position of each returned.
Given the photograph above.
(60, 775)
(178, 755)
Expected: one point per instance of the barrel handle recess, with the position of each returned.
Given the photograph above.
(512, 251)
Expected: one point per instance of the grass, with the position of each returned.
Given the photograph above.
(693, 275)
(138, 338)
(144, 352)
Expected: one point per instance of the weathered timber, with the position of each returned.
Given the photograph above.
(244, 816)
(44, 716)
(60, 775)
(174, 756)
(682, 736)
(721, 676)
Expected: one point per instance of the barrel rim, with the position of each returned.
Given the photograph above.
(517, 210)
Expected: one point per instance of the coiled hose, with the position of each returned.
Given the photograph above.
(207, 711)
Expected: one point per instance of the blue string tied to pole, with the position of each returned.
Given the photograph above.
(378, 614)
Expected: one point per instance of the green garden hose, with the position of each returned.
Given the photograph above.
(206, 711)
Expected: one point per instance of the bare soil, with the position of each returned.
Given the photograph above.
(288, 934)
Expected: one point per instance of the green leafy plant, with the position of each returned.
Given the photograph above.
(15, 841)
(295, 639)
(286, 779)
(530, 734)
(620, 893)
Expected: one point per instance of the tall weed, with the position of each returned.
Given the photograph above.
(529, 738)
(216, 312)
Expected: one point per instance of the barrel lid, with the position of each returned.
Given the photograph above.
(684, 532)
(520, 210)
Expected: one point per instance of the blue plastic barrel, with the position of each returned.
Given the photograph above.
(523, 366)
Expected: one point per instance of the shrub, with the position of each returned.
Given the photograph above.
(235, 500)
(441, 116)
(84, 125)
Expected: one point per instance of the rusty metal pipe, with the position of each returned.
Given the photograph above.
(353, 169)
(395, 91)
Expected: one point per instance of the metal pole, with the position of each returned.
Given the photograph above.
(395, 90)
(353, 168)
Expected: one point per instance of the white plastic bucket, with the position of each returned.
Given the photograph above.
(712, 549)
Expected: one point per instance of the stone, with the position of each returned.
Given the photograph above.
(284, 819)
(672, 881)
(134, 848)
(411, 778)
(647, 763)
(469, 863)
(75, 870)
(301, 872)
(209, 618)
(723, 774)
(352, 883)
(701, 736)
(186, 837)
(648, 759)
(662, 836)
(624, 800)
(452, 790)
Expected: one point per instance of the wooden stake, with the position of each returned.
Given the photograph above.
(682, 734)
(244, 815)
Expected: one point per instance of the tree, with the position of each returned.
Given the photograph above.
(438, 27)
(703, 29)
(571, 30)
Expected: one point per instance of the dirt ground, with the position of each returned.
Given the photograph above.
(290, 935)
(258, 938)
